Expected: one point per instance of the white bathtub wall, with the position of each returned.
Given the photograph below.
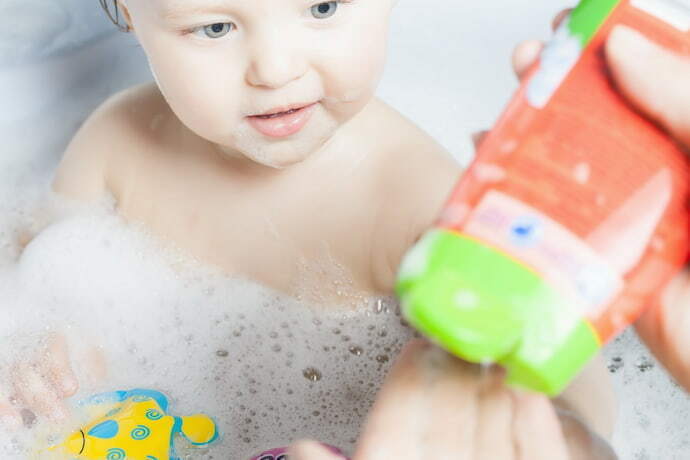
(449, 67)
(58, 60)
(449, 71)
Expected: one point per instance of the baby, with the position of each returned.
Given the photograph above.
(261, 149)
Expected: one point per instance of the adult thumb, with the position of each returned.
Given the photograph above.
(310, 450)
(654, 79)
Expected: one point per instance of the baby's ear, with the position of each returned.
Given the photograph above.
(199, 429)
(124, 11)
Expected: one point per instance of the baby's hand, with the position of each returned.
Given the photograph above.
(38, 386)
(434, 406)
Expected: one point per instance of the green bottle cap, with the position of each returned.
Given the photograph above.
(484, 306)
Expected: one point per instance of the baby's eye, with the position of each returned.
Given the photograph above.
(324, 10)
(217, 30)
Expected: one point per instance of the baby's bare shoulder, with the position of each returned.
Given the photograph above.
(408, 153)
(416, 176)
(107, 139)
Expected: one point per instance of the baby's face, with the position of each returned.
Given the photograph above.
(221, 63)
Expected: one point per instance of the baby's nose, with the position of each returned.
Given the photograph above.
(276, 61)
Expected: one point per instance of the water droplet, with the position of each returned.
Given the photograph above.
(276, 348)
(644, 364)
(273, 335)
(616, 364)
(382, 358)
(336, 331)
(355, 350)
(316, 413)
(236, 333)
(378, 308)
(222, 353)
(312, 374)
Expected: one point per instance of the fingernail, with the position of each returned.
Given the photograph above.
(626, 42)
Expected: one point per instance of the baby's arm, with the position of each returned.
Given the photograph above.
(82, 173)
(39, 383)
(420, 175)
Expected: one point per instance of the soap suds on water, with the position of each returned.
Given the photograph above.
(226, 347)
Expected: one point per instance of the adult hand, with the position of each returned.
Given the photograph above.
(657, 82)
(433, 405)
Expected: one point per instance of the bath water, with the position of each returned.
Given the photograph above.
(268, 368)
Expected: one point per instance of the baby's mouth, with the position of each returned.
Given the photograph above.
(281, 111)
(279, 114)
(282, 121)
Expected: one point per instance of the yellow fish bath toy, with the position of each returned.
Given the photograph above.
(135, 427)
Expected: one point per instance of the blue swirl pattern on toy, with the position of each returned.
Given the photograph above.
(134, 425)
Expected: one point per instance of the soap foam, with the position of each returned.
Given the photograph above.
(268, 368)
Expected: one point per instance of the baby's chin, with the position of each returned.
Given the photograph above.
(285, 153)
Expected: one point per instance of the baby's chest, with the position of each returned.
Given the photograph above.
(282, 233)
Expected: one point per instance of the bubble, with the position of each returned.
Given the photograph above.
(644, 364)
(312, 374)
(378, 307)
(615, 364)
(356, 350)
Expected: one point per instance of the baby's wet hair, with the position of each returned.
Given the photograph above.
(112, 9)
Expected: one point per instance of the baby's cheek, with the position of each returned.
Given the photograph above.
(354, 64)
(351, 84)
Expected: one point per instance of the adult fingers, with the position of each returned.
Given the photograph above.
(538, 434)
(560, 17)
(478, 137)
(527, 52)
(665, 328)
(494, 437)
(525, 55)
(428, 401)
(654, 79)
(310, 450)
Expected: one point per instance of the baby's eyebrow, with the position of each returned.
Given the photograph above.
(176, 10)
